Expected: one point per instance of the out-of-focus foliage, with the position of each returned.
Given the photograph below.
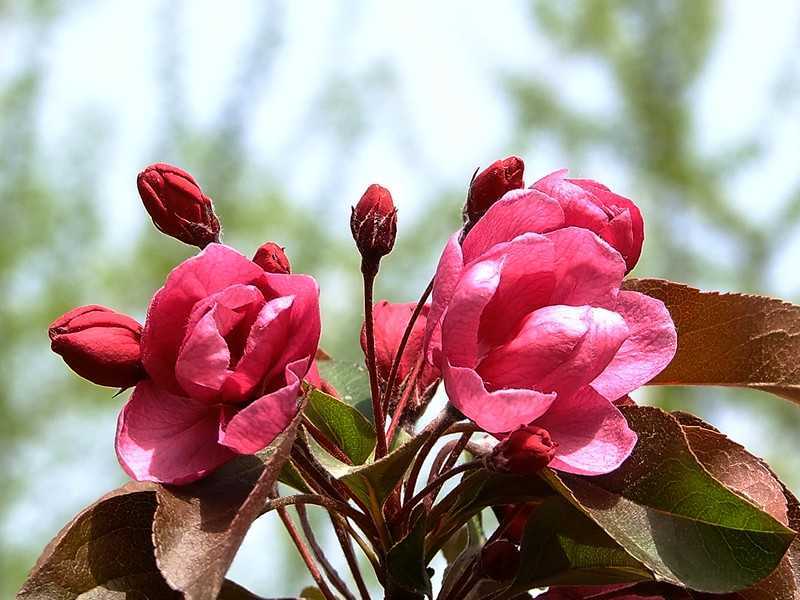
(55, 252)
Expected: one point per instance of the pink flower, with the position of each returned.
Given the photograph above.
(391, 320)
(529, 325)
(225, 346)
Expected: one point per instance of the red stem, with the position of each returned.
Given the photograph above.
(370, 270)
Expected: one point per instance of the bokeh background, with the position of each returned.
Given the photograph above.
(285, 111)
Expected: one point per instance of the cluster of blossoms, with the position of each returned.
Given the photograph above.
(527, 328)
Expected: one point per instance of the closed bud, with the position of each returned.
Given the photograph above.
(272, 259)
(491, 184)
(499, 560)
(374, 223)
(100, 345)
(525, 451)
(177, 205)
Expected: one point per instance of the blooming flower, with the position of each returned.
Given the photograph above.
(225, 346)
(99, 344)
(534, 327)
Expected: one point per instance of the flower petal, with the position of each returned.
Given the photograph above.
(212, 270)
(592, 434)
(649, 348)
(268, 337)
(166, 438)
(305, 323)
(253, 428)
(494, 412)
(587, 270)
(462, 319)
(202, 365)
(558, 349)
(445, 281)
(526, 283)
(517, 212)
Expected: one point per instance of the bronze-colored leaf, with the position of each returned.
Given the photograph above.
(729, 339)
(104, 553)
(198, 528)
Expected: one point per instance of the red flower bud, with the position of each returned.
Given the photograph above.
(374, 223)
(499, 560)
(100, 345)
(513, 519)
(525, 451)
(272, 259)
(177, 205)
(491, 184)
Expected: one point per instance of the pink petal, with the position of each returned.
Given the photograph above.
(630, 242)
(462, 319)
(526, 283)
(166, 438)
(587, 270)
(558, 349)
(517, 212)
(214, 269)
(305, 323)
(579, 209)
(448, 272)
(263, 349)
(592, 434)
(202, 364)
(253, 428)
(495, 412)
(649, 348)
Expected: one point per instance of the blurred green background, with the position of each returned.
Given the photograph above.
(284, 112)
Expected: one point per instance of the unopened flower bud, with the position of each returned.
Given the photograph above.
(525, 451)
(499, 560)
(513, 519)
(100, 345)
(177, 205)
(272, 259)
(491, 184)
(374, 223)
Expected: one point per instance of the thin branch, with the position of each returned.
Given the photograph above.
(329, 569)
(302, 549)
(434, 485)
(347, 549)
(323, 441)
(403, 342)
(411, 384)
(324, 501)
(433, 431)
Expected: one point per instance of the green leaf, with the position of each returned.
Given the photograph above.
(729, 339)
(406, 562)
(351, 382)
(476, 491)
(198, 528)
(375, 481)
(342, 424)
(561, 546)
(749, 476)
(668, 512)
(291, 476)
